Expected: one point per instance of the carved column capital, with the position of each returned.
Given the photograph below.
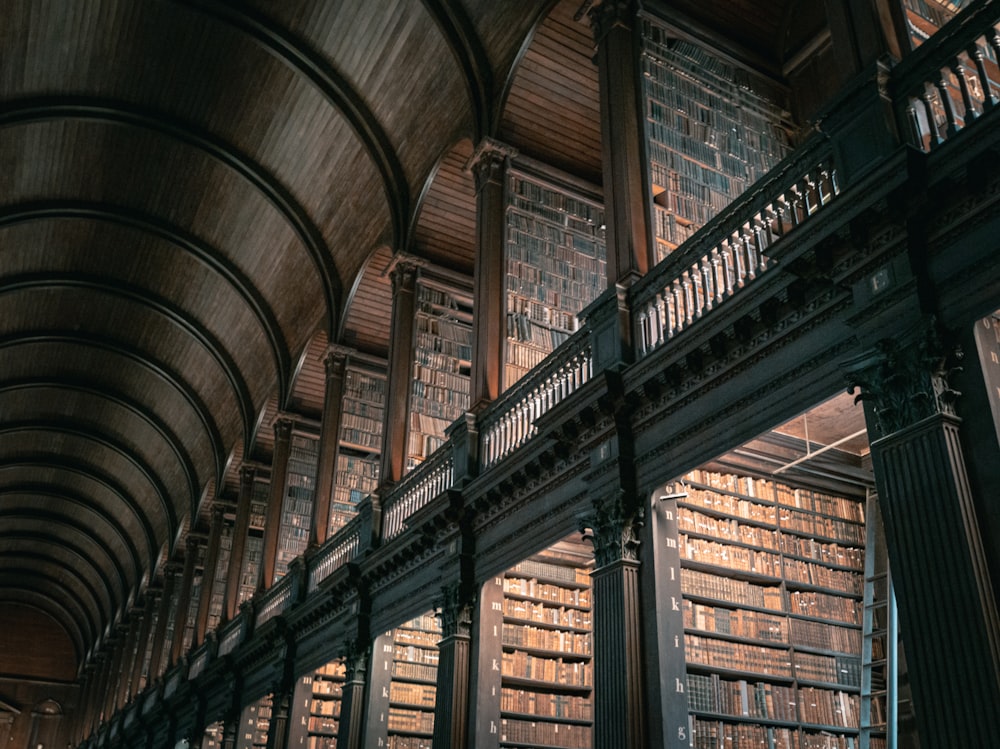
(489, 161)
(456, 611)
(403, 272)
(247, 473)
(356, 660)
(282, 429)
(613, 528)
(336, 359)
(906, 379)
(609, 14)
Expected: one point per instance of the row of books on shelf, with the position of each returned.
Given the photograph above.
(327, 707)
(829, 708)
(824, 606)
(729, 483)
(406, 637)
(425, 652)
(431, 296)
(829, 669)
(418, 671)
(760, 509)
(435, 326)
(557, 573)
(823, 636)
(669, 228)
(548, 704)
(729, 557)
(741, 698)
(321, 742)
(298, 505)
(441, 400)
(727, 529)
(363, 438)
(412, 721)
(362, 387)
(363, 408)
(696, 583)
(534, 219)
(538, 195)
(437, 383)
(523, 330)
(542, 314)
(443, 361)
(823, 551)
(825, 504)
(529, 586)
(737, 656)
(523, 665)
(844, 531)
(409, 742)
(544, 252)
(714, 734)
(814, 573)
(544, 733)
(754, 625)
(322, 724)
(422, 695)
(576, 643)
(370, 423)
(521, 358)
(548, 614)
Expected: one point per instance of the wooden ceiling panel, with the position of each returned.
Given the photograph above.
(309, 386)
(445, 232)
(369, 317)
(553, 106)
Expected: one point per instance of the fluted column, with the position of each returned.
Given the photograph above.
(335, 364)
(208, 574)
(352, 703)
(947, 610)
(241, 529)
(275, 501)
(489, 167)
(451, 708)
(277, 732)
(619, 690)
(626, 192)
(182, 612)
(156, 661)
(400, 373)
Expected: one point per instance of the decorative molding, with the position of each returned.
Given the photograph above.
(455, 611)
(906, 379)
(489, 161)
(609, 14)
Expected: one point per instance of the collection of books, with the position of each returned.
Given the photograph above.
(411, 721)
(524, 636)
(729, 557)
(727, 529)
(705, 585)
(538, 733)
(737, 656)
(752, 625)
(823, 636)
(824, 606)
(828, 708)
(538, 612)
(523, 665)
(415, 658)
(420, 695)
(532, 588)
(812, 573)
(741, 698)
(548, 704)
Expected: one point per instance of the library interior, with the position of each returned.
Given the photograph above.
(371, 374)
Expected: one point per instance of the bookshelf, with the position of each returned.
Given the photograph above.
(190, 617)
(413, 688)
(546, 668)
(772, 581)
(555, 266)
(296, 508)
(218, 597)
(442, 361)
(322, 703)
(256, 721)
(878, 680)
(357, 468)
(254, 549)
(712, 130)
(212, 738)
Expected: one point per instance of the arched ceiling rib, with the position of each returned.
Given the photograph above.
(52, 607)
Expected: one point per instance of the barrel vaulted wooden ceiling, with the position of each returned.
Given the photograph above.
(197, 195)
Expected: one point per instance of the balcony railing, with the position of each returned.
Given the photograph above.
(416, 489)
(275, 600)
(951, 80)
(342, 548)
(730, 252)
(510, 422)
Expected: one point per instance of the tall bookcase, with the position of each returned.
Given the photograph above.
(218, 597)
(771, 582)
(442, 361)
(190, 617)
(254, 550)
(878, 676)
(546, 670)
(712, 129)
(320, 710)
(296, 509)
(255, 723)
(363, 406)
(413, 689)
(555, 260)
(212, 738)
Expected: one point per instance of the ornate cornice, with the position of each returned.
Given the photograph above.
(906, 379)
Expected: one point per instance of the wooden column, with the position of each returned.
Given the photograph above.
(352, 703)
(150, 605)
(400, 373)
(489, 167)
(230, 727)
(184, 598)
(94, 698)
(275, 501)
(128, 657)
(451, 707)
(947, 610)
(376, 723)
(335, 363)
(116, 654)
(208, 573)
(626, 183)
(619, 690)
(80, 730)
(277, 731)
(156, 661)
(241, 529)
(487, 655)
